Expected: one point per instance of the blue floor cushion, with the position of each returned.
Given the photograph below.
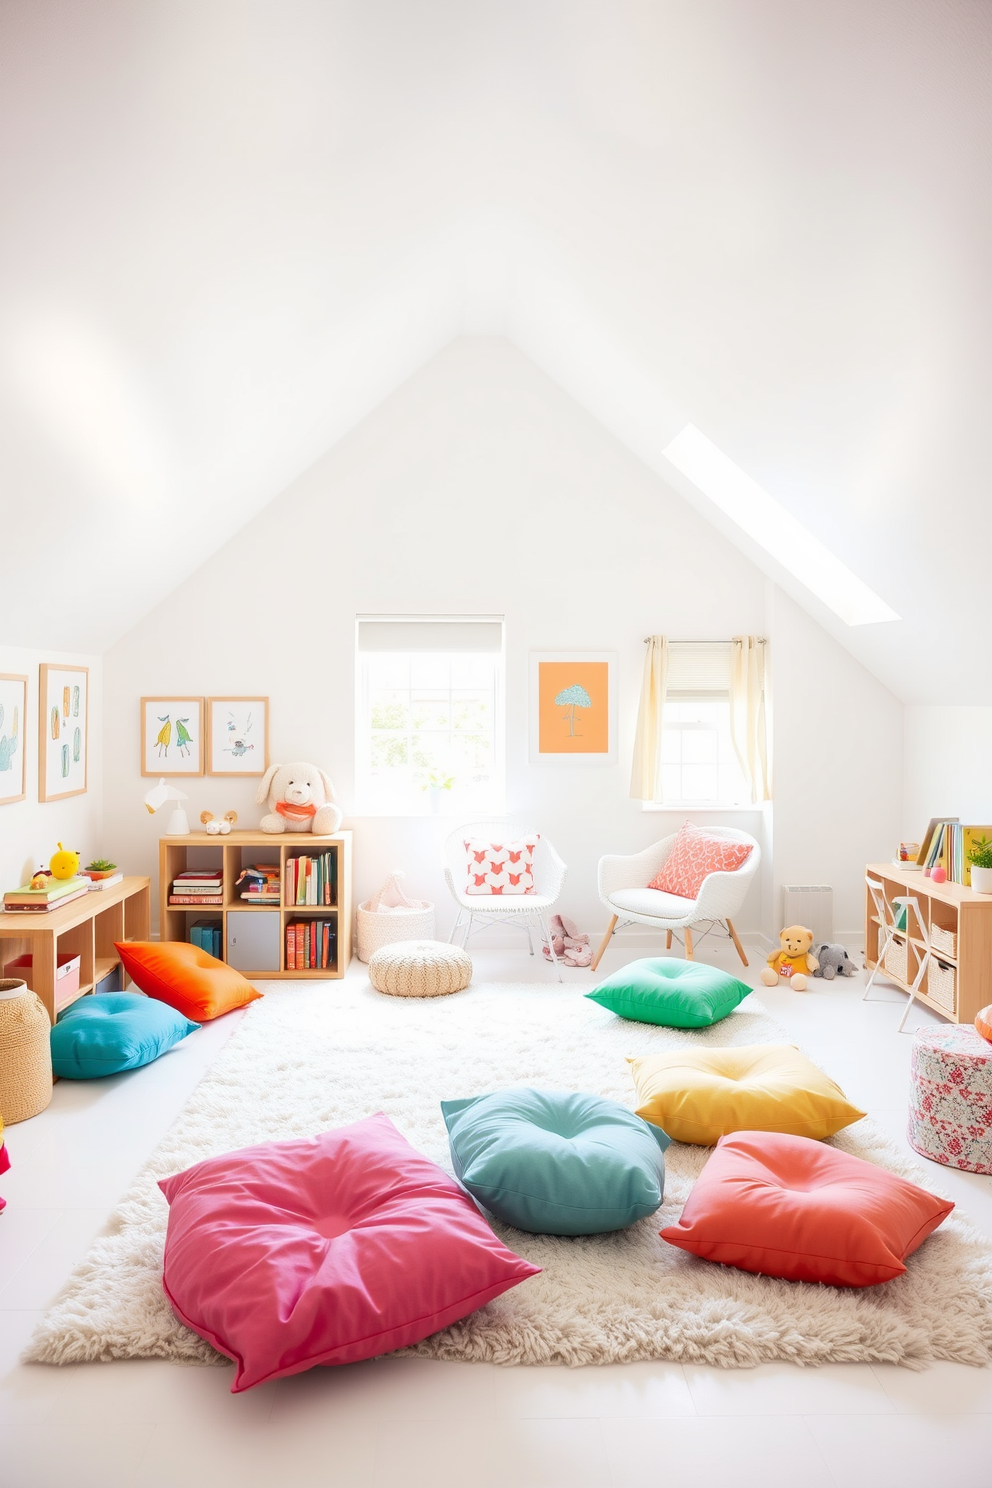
(114, 1031)
(677, 994)
(557, 1163)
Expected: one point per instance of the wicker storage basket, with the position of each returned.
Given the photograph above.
(941, 984)
(897, 960)
(944, 940)
(25, 1053)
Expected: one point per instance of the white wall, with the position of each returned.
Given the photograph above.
(838, 743)
(481, 487)
(948, 766)
(30, 830)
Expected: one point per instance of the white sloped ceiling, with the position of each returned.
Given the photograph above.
(232, 228)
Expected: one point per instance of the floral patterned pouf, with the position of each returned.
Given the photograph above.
(950, 1099)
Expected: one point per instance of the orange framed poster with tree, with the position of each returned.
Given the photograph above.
(573, 706)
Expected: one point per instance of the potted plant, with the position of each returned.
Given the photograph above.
(100, 868)
(980, 858)
(436, 782)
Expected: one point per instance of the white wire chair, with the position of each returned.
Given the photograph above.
(522, 910)
(622, 889)
(891, 930)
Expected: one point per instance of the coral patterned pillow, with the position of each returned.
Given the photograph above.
(500, 867)
(695, 855)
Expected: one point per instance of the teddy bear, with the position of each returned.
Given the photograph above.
(792, 959)
(300, 799)
(834, 961)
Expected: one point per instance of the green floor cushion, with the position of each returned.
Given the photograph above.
(677, 994)
(557, 1163)
(114, 1031)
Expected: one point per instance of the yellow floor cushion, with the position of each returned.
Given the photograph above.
(700, 1095)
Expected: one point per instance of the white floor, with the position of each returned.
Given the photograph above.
(142, 1424)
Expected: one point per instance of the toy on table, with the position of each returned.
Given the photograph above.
(64, 863)
(834, 961)
(40, 879)
(215, 825)
(792, 960)
(300, 798)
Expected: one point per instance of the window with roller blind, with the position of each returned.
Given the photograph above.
(429, 714)
(699, 765)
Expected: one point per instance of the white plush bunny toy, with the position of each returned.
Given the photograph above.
(300, 799)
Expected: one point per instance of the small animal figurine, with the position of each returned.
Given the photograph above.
(218, 825)
(792, 960)
(40, 879)
(64, 863)
(834, 961)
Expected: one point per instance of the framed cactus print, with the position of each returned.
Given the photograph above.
(573, 706)
(13, 707)
(172, 736)
(63, 715)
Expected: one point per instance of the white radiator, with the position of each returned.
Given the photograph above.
(811, 905)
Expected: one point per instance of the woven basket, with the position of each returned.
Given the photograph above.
(944, 940)
(25, 1053)
(377, 928)
(940, 984)
(420, 968)
(897, 960)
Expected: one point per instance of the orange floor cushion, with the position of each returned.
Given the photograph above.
(188, 979)
(794, 1208)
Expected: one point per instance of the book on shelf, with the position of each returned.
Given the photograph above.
(196, 899)
(312, 880)
(207, 935)
(55, 888)
(196, 893)
(44, 907)
(97, 884)
(255, 897)
(311, 945)
(201, 876)
(949, 843)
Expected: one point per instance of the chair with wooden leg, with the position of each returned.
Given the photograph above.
(622, 889)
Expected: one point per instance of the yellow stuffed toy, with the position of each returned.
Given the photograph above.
(792, 960)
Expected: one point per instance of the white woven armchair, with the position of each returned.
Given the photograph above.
(505, 909)
(622, 888)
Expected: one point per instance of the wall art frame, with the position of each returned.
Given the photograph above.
(237, 735)
(63, 730)
(573, 707)
(172, 736)
(13, 720)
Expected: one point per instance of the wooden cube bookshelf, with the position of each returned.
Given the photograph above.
(948, 907)
(236, 851)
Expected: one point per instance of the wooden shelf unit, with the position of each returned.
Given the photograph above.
(87, 928)
(238, 850)
(951, 907)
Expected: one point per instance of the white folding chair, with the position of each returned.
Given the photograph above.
(886, 911)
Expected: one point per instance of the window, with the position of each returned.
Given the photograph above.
(699, 765)
(429, 715)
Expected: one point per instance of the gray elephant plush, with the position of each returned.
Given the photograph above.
(834, 961)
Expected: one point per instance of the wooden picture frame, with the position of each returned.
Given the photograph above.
(13, 717)
(63, 730)
(237, 735)
(172, 736)
(573, 707)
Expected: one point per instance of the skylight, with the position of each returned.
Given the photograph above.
(774, 529)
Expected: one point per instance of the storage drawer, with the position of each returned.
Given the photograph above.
(254, 939)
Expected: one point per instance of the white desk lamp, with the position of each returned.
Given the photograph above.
(178, 821)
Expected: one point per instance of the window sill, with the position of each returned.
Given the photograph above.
(751, 807)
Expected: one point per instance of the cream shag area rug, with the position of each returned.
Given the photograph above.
(309, 1057)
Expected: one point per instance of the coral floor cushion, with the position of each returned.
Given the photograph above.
(187, 978)
(700, 1095)
(555, 1162)
(790, 1207)
(675, 993)
(114, 1031)
(326, 1250)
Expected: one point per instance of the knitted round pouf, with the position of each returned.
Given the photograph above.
(950, 1097)
(25, 1053)
(420, 968)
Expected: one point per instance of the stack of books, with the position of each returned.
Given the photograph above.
(57, 891)
(312, 880)
(207, 935)
(260, 883)
(107, 882)
(949, 843)
(198, 886)
(311, 945)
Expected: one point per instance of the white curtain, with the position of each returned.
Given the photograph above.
(647, 739)
(747, 712)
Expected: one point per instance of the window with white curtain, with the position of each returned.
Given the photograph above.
(429, 715)
(699, 765)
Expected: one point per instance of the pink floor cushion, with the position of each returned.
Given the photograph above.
(326, 1250)
(950, 1097)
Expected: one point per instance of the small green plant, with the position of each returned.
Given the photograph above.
(438, 780)
(981, 853)
(100, 865)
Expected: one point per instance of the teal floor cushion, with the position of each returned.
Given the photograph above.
(677, 994)
(114, 1031)
(556, 1163)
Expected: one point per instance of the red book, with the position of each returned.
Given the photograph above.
(196, 899)
(300, 963)
(290, 949)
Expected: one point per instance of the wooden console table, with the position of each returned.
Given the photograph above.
(87, 928)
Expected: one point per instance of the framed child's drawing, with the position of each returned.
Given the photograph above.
(172, 736)
(573, 706)
(63, 712)
(13, 707)
(237, 735)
